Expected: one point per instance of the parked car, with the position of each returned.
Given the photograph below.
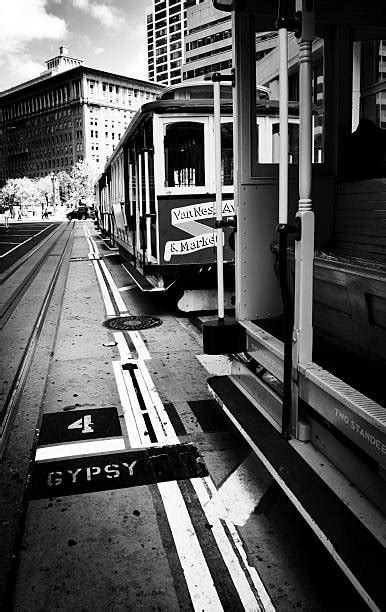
(78, 213)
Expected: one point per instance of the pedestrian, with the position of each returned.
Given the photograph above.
(19, 218)
(7, 214)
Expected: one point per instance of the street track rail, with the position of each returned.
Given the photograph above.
(17, 289)
(22, 251)
(26, 269)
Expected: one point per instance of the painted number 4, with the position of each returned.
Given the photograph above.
(85, 424)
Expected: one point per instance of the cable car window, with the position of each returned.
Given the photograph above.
(370, 63)
(184, 154)
(266, 151)
(227, 153)
(293, 143)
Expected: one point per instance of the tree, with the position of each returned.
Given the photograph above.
(44, 191)
(19, 192)
(65, 186)
(78, 186)
(83, 177)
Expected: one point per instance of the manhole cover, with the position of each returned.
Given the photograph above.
(133, 322)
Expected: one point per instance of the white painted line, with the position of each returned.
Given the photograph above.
(156, 402)
(91, 243)
(25, 241)
(252, 599)
(140, 346)
(124, 351)
(196, 572)
(199, 581)
(105, 294)
(239, 495)
(76, 449)
(158, 428)
(131, 425)
(117, 296)
(136, 410)
(217, 365)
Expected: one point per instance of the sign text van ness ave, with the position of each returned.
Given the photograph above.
(200, 211)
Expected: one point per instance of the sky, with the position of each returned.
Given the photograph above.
(106, 34)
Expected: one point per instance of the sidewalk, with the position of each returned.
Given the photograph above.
(59, 215)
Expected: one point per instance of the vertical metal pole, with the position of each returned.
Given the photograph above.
(282, 228)
(147, 206)
(219, 231)
(131, 189)
(139, 200)
(304, 249)
(283, 119)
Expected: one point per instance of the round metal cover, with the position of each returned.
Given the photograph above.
(133, 322)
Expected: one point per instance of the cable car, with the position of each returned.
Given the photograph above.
(309, 334)
(155, 197)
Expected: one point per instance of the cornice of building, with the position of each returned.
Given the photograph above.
(72, 73)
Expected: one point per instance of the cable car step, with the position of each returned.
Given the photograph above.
(359, 553)
(140, 280)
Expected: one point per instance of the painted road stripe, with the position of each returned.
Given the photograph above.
(91, 243)
(198, 579)
(90, 447)
(124, 351)
(25, 241)
(155, 400)
(131, 424)
(197, 575)
(138, 413)
(114, 289)
(110, 311)
(243, 577)
(139, 345)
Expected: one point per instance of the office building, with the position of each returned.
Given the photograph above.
(208, 42)
(67, 114)
(166, 22)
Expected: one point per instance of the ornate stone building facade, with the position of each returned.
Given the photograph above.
(67, 114)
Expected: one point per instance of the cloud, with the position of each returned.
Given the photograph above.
(98, 50)
(109, 16)
(26, 20)
(23, 22)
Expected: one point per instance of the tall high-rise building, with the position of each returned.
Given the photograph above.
(67, 114)
(166, 29)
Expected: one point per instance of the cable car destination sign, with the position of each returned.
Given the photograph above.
(188, 219)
